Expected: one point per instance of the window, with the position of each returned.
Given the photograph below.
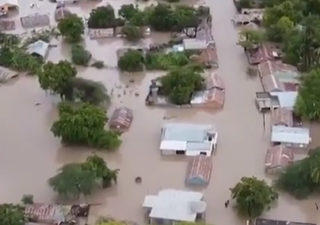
(180, 152)
(203, 153)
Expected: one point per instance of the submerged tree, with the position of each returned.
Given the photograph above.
(84, 125)
(77, 179)
(252, 196)
(57, 77)
(79, 55)
(103, 17)
(71, 27)
(131, 61)
(12, 214)
(72, 181)
(250, 39)
(131, 32)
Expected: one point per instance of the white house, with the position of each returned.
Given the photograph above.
(171, 206)
(188, 139)
(291, 137)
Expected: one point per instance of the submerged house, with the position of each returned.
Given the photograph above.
(171, 206)
(199, 171)
(275, 100)
(281, 116)
(35, 20)
(297, 138)
(55, 214)
(121, 119)
(277, 158)
(7, 5)
(188, 139)
(261, 221)
(38, 49)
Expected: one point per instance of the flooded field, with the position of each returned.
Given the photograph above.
(29, 154)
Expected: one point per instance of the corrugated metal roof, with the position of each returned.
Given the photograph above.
(173, 205)
(39, 47)
(286, 99)
(294, 135)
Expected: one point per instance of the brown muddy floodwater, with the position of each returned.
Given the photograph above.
(30, 154)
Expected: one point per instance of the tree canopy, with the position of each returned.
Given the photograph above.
(76, 179)
(12, 214)
(103, 17)
(308, 100)
(302, 178)
(71, 27)
(79, 55)
(84, 125)
(253, 196)
(131, 61)
(132, 32)
(180, 83)
(57, 77)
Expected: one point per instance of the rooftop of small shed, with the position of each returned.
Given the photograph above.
(200, 167)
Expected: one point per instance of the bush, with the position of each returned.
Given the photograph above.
(79, 55)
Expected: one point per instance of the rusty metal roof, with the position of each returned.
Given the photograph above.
(279, 156)
(214, 81)
(121, 118)
(200, 168)
(282, 116)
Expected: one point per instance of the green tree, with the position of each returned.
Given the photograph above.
(79, 55)
(250, 39)
(131, 61)
(308, 100)
(253, 196)
(132, 33)
(71, 27)
(279, 31)
(285, 9)
(103, 17)
(180, 83)
(127, 11)
(72, 181)
(162, 18)
(57, 77)
(84, 125)
(12, 214)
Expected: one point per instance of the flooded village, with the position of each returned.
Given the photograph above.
(185, 157)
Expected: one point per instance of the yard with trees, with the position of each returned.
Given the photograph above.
(76, 179)
(253, 197)
(302, 178)
(11, 214)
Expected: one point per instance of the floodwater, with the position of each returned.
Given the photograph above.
(30, 154)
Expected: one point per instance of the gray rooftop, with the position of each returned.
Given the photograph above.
(175, 205)
(294, 135)
(286, 99)
(194, 44)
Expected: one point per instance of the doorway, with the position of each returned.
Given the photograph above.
(180, 152)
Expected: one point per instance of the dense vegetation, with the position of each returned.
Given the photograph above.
(162, 17)
(76, 179)
(12, 214)
(253, 196)
(302, 178)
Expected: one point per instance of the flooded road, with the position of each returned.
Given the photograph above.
(30, 154)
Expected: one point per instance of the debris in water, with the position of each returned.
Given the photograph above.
(131, 81)
(31, 5)
(37, 104)
(119, 95)
(138, 180)
(124, 92)
(137, 94)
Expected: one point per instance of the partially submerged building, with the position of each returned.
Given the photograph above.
(199, 171)
(277, 76)
(188, 139)
(171, 206)
(277, 158)
(7, 74)
(121, 119)
(7, 5)
(38, 49)
(35, 20)
(281, 116)
(263, 53)
(7, 25)
(274, 100)
(261, 221)
(55, 214)
(297, 138)
(100, 33)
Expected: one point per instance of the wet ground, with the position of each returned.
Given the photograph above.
(29, 154)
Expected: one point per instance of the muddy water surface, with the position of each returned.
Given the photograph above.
(30, 154)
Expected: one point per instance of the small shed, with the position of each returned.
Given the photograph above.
(277, 158)
(199, 171)
(35, 20)
(215, 98)
(281, 116)
(121, 119)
